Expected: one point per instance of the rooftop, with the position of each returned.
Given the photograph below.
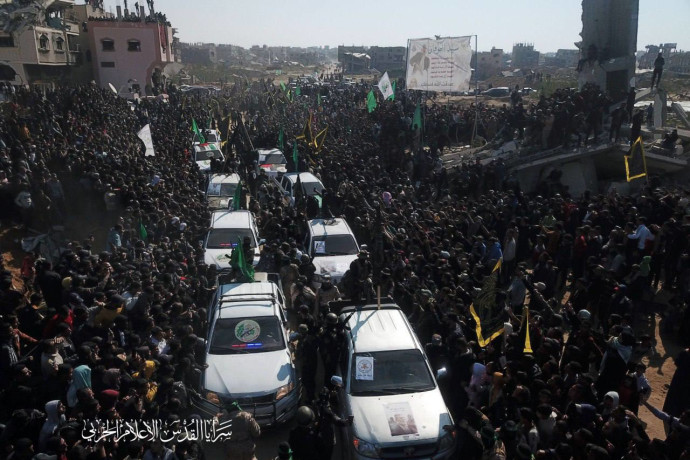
(381, 330)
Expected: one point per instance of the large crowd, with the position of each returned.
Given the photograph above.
(115, 330)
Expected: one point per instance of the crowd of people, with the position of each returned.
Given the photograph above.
(115, 330)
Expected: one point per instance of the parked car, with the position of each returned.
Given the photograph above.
(332, 246)
(272, 161)
(501, 91)
(227, 227)
(221, 190)
(248, 353)
(386, 382)
(203, 154)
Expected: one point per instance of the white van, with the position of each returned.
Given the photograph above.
(248, 354)
(332, 246)
(227, 227)
(311, 185)
(221, 190)
(204, 153)
(387, 384)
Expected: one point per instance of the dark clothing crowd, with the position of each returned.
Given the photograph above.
(115, 330)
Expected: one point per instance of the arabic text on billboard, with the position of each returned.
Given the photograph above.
(441, 65)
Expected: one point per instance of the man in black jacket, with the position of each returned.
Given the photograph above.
(658, 69)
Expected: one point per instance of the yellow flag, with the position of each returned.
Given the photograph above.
(320, 139)
(636, 163)
(487, 313)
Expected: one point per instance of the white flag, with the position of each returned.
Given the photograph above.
(145, 135)
(385, 86)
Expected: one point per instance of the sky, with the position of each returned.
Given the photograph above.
(548, 24)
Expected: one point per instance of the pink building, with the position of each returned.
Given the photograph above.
(131, 52)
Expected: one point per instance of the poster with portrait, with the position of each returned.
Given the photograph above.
(442, 65)
(400, 419)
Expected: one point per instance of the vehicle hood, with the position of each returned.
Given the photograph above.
(274, 169)
(219, 202)
(248, 374)
(221, 257)
(371, 415)
(204, 165)
(336, 266)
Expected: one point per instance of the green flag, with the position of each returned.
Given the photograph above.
(298, 91)
(281, 140)
(295, 157)
(199, 136)
(371, 101)
(143, 234)
(417, 119)
(282, 86)
(237, 198)
(238, 262)
(318, 100)
(392, 96)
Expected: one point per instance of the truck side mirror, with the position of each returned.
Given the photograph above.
(441, 373)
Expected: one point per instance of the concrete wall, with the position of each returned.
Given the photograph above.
(611, 26)
(578, 175)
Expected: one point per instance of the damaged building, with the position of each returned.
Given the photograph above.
(49, 42)
(39, 41)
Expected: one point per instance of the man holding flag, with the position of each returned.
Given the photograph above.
(486, 311)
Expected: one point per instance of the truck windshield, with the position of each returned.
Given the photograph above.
(311, 188)
(216, 189)
(334, 245)
(389, 372)
(223, 238)
(276, 158)
(246, 335)
(207, 155)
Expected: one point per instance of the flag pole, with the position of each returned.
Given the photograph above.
(476, 91)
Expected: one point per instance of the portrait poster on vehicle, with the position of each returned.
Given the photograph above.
(441, 65)
(400, 419)
(364, 368)
(320, 247)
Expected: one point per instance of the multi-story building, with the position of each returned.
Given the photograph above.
(354, 59)
(524, 56)
(647, 59)
(132, 51)
(40, 42)
(568, 58)
(490, 63)
(198, 53)
(388, 58)
(679, 62)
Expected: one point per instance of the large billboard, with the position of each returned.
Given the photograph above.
(441, 65)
